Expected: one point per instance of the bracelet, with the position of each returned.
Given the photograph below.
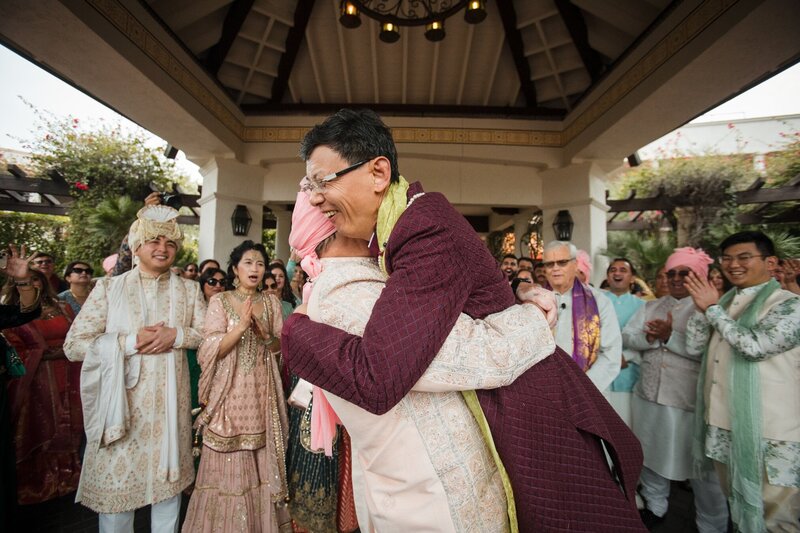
(22, 282)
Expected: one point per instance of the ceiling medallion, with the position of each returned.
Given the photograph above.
(391, 14)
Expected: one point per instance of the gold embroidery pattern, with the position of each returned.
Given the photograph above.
(235, 443)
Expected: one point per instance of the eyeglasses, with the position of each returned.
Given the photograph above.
(215, 281)
(677, 273)
(742, 259)
(79, 270)
(561, 263)
(43, 262)
(271, 286)
(310, 185)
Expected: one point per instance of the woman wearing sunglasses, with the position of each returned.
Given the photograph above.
(78, 275)
(213, 281)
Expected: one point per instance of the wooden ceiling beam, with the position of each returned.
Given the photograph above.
(576, 26)
(302, 14)
(237, 13)
(514, 39)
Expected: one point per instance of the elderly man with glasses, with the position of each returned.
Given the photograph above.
(353, 178)
(587, 327)
(663, 403)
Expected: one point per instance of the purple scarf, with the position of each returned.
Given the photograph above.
(585, 326)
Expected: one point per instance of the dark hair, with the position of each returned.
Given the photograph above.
(37, 255)
(268, 275)
(210, 273)
(205, 262)
(538, 264)
(239, 251)
(626, 260)
(71, 266)
(48, 294)
(354, 134)
(528, 259)
(286, 292)
(763, 243)
(510, 256)
(187, 265)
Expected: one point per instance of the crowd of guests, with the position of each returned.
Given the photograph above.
(340, 392)
(664, 350)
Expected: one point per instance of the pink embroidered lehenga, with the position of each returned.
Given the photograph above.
(46, 414)
(241, 480)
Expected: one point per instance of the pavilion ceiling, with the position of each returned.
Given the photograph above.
(535, 58)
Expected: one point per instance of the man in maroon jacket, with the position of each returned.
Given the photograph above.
(550, 427)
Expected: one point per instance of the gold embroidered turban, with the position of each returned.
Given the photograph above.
(152, 222)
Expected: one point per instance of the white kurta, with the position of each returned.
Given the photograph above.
(609, 359)
(424, 466)
(128, 472)
(664, 397)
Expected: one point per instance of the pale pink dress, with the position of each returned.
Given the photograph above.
(241, 479)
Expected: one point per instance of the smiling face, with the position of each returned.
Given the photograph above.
(715, 277)
(44, 264)
(351, 201)
(619, 277)
(509, 266)
(156, 256)
(250, 270)
(561, 278)
(746, 267)
(676, 281)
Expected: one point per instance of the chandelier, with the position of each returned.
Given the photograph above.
(391, 14)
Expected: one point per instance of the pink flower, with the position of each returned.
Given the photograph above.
(81, 186)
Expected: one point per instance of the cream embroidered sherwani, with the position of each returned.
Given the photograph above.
(137, 407)
(424, 466)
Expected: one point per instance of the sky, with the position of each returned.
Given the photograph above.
(776, 96)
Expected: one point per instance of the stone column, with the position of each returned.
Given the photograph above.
(580, 188)
(283, 218)
(226, 184)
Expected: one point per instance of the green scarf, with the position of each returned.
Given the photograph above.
(393, 205)
(746, 460)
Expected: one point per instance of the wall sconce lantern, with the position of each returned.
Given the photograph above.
(240, 221)
(562, 225)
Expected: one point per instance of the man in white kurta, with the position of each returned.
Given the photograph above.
(131, 335)
(769, 347)
(664, 398)
(561, 270)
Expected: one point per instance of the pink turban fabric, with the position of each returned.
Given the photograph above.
(584, 264)
(696, 259)
(309, 228)
(109, 263)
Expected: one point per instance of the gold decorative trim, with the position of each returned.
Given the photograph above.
(235, 443)
(683, 33)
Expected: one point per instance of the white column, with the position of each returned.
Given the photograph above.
(579, 188)
(226, 184)
(284, 227)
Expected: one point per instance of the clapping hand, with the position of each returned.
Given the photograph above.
(155, 339)
(659, 329)
(702, 291)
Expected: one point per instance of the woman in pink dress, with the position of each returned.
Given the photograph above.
(241, 481)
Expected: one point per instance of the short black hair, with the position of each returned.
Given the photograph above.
(763, 243)
(354, 134)
(625, 259)
(239, 251)
(528, 259)
(510, 256)
(204, 262)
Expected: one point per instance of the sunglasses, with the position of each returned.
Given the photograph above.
(214, 282)
(271, 286)
(79, 270)
(561, 262)
(676, 273)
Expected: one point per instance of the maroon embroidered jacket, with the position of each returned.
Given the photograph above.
(545, 425)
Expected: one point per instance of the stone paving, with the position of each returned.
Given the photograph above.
(64, 516)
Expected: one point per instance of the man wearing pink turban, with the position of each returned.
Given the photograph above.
(664, 398)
